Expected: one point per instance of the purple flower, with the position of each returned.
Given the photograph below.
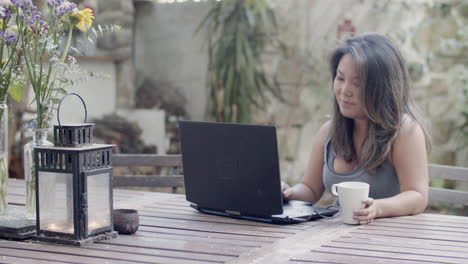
(8, 35)
(17, 2)
(7, 13)
(27, 12)
(35, 16)
(54, 3)
(22, 3)
(31, 124)
(64, 8)
(9, 39)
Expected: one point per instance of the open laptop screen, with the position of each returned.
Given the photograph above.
(231, 167)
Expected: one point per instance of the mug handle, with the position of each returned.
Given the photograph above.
(334, 189)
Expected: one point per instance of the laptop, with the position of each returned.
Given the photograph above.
(233, 170)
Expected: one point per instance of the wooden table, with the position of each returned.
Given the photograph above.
(172, 232)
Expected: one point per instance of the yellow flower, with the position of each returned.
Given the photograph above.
(83, 19)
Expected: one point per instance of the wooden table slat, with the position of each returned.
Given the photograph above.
(184, 246)
(67, 258)
(347, 258)
(172, 254)
(405, 243)
(415, 233)
(433, 218)
(205, 234)
(90, 252)
(212, 227)
(12, 259)
(424, 224)
(378, 255)
(227, 221)
(398, 249)
(422, 229)
(209, 239)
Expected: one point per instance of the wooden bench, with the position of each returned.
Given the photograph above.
(448, 173)
(174, 178)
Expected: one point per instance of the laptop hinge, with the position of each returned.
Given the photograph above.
(232, 212)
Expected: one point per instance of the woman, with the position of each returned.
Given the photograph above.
(374, 135)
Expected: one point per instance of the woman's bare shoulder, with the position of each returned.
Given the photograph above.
(323, 132)
(409, 127)
(410, 134)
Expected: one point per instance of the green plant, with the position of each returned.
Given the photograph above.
(238, 33)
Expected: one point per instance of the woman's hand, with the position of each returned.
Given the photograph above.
(366, 215)
(286, 190)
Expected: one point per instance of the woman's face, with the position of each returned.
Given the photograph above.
(347, 90)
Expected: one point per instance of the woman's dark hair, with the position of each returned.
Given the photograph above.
(384, 94)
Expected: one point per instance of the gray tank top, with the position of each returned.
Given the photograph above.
(383, 184)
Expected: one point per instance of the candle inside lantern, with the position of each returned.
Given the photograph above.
(93, 225)
(53, 227)
(61, 228)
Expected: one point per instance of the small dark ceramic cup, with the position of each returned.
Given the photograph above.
(126, 221)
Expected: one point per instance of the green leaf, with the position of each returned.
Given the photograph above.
(62, 80)
(60, 90)
(211, 14)
(16, 90)
(55, 100)
(228, 86)
(239, 55)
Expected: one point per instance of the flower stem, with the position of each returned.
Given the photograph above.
(31, 192)
(3, 183)
(67, 46)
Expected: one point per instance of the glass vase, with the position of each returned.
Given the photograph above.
(39, 140)
(3, 157)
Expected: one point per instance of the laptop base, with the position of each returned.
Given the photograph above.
(281, 219)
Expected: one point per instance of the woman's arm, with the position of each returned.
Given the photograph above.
(311, 188)
(409, 157)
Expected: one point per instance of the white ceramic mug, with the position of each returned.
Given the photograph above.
(350, 195)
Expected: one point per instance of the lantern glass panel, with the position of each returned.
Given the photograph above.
(56, 202)
(99, 204)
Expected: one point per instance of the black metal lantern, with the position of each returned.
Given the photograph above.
(74, 186)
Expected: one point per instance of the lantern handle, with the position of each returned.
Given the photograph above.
(60, 104)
